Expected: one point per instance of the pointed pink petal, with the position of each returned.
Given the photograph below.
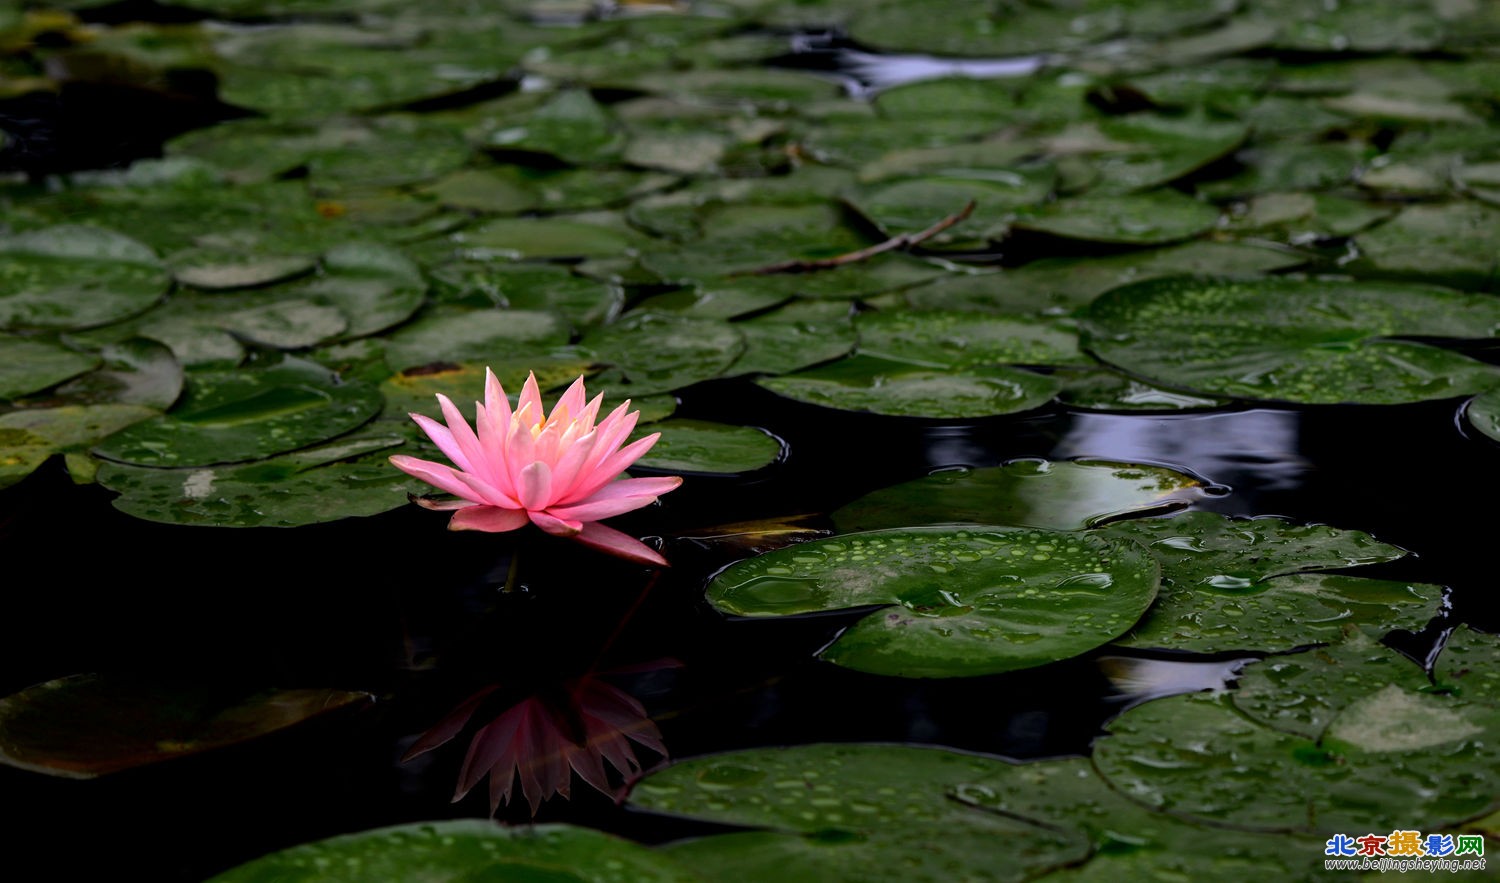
(592, 475)
(439, 476)
(548, 443)
(617, 497)
(535, 485)
(485, 490)
(532, 396)
(468, 444)
(443, 439)
(591, 411)
(493, 446)
(565, 473)
(613, 542)
(554, 525)
(609, 469)
(496, 403)
(519, 448)
(572, 400)
(490, 519)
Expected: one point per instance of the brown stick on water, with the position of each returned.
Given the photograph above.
(905, 240)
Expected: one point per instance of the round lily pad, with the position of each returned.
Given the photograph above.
(1448, 242)
(214, 270)
(1281, 613)
(914, 204)
(473, 335)
(942, 339)
(797, 336)
(865, 383)
(1154, 218)
(85, 726)
(1297, 340)
(461, 851)
(73, 276)
(227, 417)
(374, 286)
(850, 812)
(1069, 495)
(962, 600)
(29, 436)
(27, 366)
(660, 352)
(1303, 692)
(1205, 549)
(543, 239)
(136, 371)
(348, 478)
(700, 446)
(1197, 757)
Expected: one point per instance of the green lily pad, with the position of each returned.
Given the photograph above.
(830, 815)
(1302, 218)
(227, 417)
(1129, 841)
(865, 383)
(1198, 758)
(571, 126)
(1003, 598)
(1105, 390)
(1208, 550)
(216, 270)
(700, 446)
(1156, 149)
(1062, 284)
(1302, 693)
(660, 352)
(291, 324)
(1154, 218)
(1290, 167)
(474, 336)
(799, 335)
(1448, 242)
(914, 204)
(1067, 495)
(30, 436)
(1281, 613)
(374, 286)
(740, 239)
(73, 276)
(348, 478)
(543, 239)
(964, 340)
(1467, 666)
(1306, 341)
(952, 27)
(85, 726)
(135, 372)
(28, 366)
(463, 850)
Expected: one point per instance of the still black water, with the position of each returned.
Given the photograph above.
(398, 606)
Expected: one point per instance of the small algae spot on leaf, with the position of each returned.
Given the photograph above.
(1395, 719)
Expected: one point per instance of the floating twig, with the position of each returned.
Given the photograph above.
(905, 240)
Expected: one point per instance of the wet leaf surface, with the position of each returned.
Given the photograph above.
(1009, 598)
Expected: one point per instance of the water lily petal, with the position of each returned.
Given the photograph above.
(570, 402)
(621, 545)
(610, 468)
(494, 452)
(556, 526)
(468, 443)
(618, 497)
(569, 465)
(496, 404)
(532, 396)
(443, 439)
(535, 485)
(489, 519)
(439, 476)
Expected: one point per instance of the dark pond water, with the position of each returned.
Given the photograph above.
(422, 621)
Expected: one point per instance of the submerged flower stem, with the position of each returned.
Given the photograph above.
(515, 570)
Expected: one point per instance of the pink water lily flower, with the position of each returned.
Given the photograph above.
(557, 471)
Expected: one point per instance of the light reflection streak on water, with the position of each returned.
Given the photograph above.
(1255, 449)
